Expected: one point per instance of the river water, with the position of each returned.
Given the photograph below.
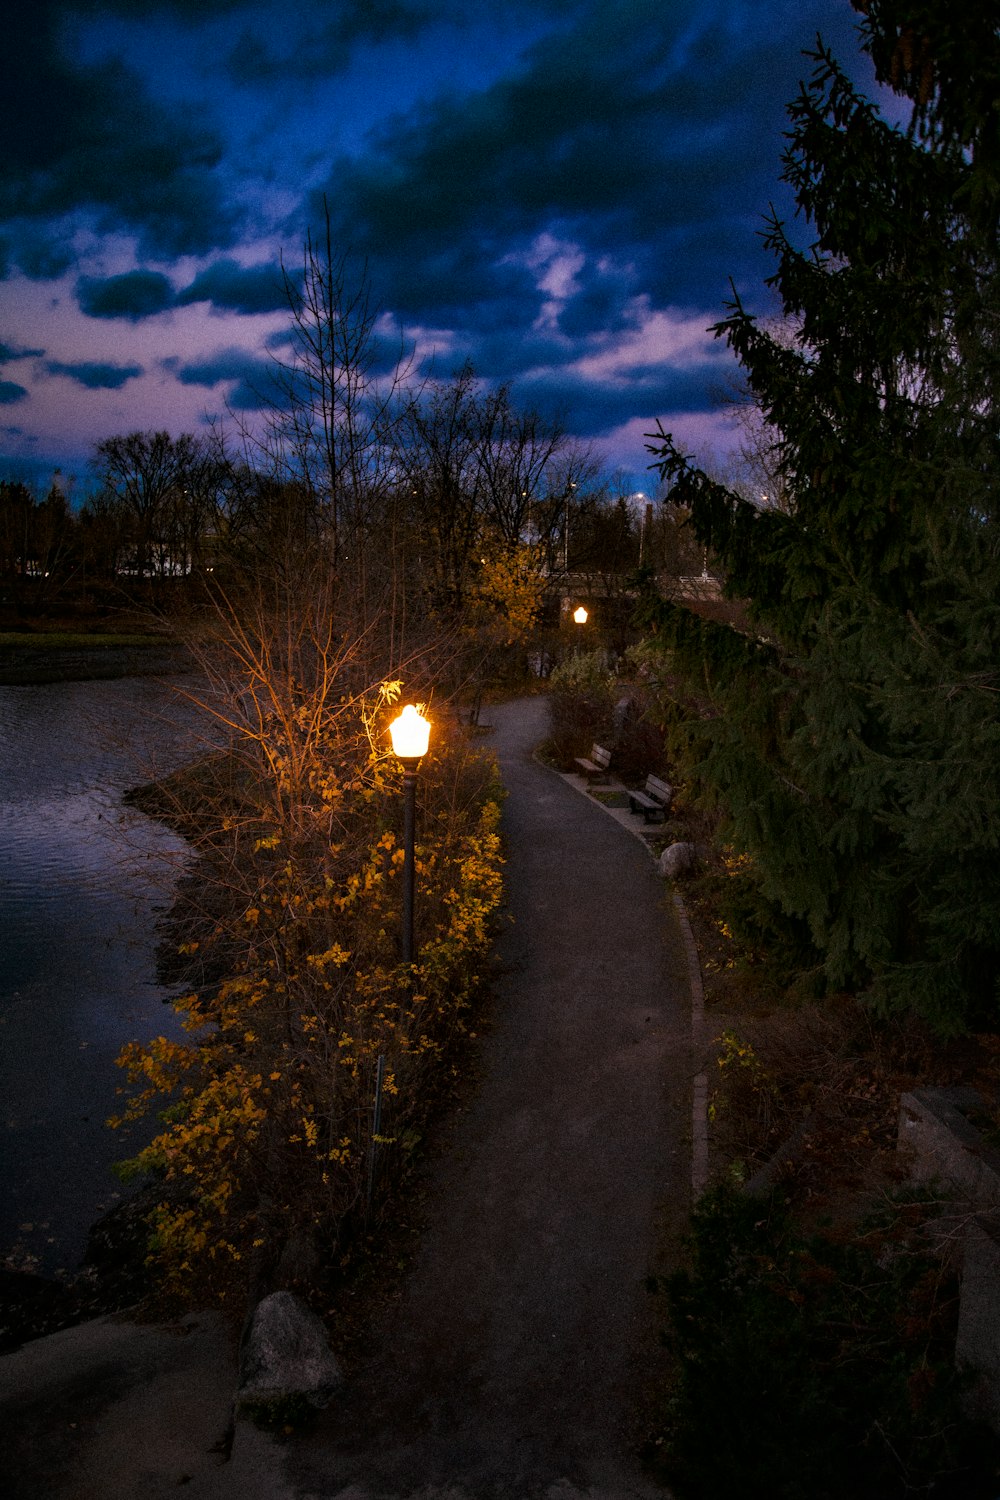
(83, 882)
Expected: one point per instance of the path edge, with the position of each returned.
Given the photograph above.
(696, 989)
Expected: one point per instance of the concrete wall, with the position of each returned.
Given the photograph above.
(946, 1149)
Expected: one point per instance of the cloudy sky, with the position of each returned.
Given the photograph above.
(555, 190)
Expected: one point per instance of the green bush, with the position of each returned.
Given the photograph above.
(582, 705)
(815, 1370)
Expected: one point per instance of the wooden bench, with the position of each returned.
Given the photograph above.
(653, 801)
(596, 768)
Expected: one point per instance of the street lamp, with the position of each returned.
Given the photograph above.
(410, 736)
(580, 615)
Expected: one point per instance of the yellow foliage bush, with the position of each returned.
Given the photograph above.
(268, 1126)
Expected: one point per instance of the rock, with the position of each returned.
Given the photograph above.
(622, 712)
(677, 860)
(285, 1355)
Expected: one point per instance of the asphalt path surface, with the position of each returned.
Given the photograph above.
(514, 1363)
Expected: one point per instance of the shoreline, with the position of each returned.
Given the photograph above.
(111, 1278)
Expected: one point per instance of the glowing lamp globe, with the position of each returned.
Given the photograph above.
(580, 615)
(410, 733)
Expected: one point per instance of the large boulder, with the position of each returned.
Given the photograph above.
(677, 860)
(285, 1356)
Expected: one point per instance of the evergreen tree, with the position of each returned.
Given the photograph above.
(851, 736)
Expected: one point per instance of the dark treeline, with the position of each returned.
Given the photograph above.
(166, 507)
(440, 492)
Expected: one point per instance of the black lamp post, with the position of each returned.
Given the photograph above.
(410, 736)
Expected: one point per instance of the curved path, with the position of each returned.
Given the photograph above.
(511, 1364)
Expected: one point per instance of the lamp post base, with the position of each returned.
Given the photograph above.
(409, 830)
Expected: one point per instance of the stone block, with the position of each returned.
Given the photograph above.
(944, 1146)
(977, 1343)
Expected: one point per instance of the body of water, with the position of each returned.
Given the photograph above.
(83, 882)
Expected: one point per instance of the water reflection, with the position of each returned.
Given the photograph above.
(82, 880)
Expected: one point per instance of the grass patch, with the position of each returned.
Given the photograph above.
(609, 796)
(76, 640)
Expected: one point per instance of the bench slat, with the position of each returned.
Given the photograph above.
(653, 801)
(595, 768)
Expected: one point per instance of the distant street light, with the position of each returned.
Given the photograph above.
(410, 737)
(580, 615)
(570, 487)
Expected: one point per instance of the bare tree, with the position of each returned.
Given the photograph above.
(483, 477)
(332, 430)
(519, 455)
(163, 489)
(441, 481)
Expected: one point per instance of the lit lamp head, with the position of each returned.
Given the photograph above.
(410, 733)
(580, 615)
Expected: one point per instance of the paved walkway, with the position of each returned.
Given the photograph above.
(511, 1366)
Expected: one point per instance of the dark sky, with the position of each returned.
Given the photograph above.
(555, 190)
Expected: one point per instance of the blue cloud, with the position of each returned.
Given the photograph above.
(13, 351)
(326, 44)
(650, 131)
(245, 289)
(226, 364)
(255, 384)
(89, 137)
(596, 408)
(41, 255)
(11, 392)
(500, 354)
(135, 295)
(95, 376)
(644, 136)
